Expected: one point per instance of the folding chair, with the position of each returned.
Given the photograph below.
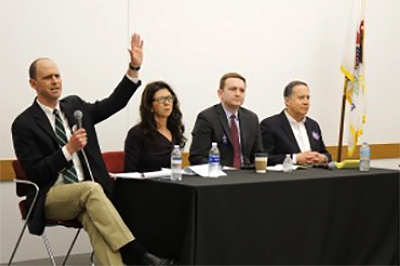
(114, 161)
(22, 187)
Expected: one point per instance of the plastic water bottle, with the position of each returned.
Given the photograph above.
(214, 161)
(176, 164)
(365, 157)
(287, 164)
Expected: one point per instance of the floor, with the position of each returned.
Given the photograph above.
(77, 259)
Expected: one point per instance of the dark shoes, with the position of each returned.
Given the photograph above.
(150, 259)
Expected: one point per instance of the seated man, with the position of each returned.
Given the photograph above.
(234, 128)
(53, 155)
(291, 132)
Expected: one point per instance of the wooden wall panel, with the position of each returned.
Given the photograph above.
(6, 170)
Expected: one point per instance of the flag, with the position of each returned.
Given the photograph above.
(353, 68)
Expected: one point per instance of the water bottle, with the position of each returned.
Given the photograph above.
(365, 157)
(287, 164)
(176, 164)
(214, 161)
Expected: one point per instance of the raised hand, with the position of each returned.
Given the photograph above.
(136, 51)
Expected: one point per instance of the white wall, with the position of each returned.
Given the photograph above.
(87, 39)
(190, 44)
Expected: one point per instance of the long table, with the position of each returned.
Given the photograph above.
(310, 217)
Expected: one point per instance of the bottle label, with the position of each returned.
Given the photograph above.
(176, 160)
(365, 152)
(213, 159)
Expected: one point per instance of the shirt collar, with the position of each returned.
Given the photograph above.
(48, 110)
(229, 114)
(292, 121)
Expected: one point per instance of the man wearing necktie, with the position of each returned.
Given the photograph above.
(52, 154)
(235, 129)
(292, 132)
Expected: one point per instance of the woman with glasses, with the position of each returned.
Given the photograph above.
(149, 144)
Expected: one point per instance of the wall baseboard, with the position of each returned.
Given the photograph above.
(378, 151)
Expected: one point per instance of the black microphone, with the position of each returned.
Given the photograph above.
(78, 117)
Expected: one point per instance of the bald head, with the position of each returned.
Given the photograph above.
(33, 66)
(46, 80)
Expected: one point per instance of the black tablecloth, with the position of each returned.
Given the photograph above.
(311, 217)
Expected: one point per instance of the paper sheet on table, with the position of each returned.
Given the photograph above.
(279, 167)
(135, 175)
(202, 170)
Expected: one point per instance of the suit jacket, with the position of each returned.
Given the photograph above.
(212, 126)
(41, 157)
(279, 140)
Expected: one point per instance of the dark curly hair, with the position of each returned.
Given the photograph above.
(148, 122)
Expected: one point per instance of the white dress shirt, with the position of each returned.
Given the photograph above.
(75, 159)
(300, 133)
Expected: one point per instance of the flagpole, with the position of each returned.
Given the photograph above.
(341, 128)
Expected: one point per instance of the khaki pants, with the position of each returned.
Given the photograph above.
(87, 202)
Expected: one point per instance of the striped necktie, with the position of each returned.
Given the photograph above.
(235, 143)
(69, 173)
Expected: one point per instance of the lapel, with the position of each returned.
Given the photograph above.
(42, 120)
(311, 138)
(287, 130)
(224, 121)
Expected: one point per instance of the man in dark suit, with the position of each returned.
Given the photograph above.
(52, 151)
(235, 129)
(292, 132)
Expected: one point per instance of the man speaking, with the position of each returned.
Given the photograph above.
(61, 154)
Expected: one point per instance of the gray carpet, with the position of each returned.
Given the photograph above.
(78, 259)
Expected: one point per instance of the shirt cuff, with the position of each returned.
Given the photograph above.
(134, 80)
(294, 158)
(66, 153)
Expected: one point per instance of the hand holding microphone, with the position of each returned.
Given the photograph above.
(81, 137)
(78, 139)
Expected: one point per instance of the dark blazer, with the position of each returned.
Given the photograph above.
(212, 126)
(279, 140)
(42, 159)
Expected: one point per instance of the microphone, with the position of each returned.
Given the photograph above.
(78, 117)
(331, 166)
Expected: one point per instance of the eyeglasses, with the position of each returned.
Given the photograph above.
(162, 100)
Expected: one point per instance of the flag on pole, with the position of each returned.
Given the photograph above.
(353, 68)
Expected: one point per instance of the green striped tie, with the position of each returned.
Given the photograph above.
(69, 173)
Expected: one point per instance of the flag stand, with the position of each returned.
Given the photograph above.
(343, 110)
